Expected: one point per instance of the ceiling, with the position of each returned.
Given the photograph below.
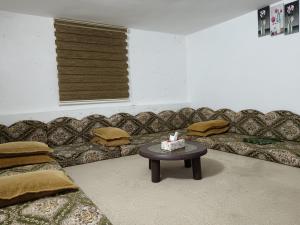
(171, 16)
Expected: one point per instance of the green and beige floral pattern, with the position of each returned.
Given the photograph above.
(71, 137)
(66, 130)
(71, 208)
(285, 152)
(76, 154)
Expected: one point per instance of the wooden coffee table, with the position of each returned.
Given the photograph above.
(191, 155)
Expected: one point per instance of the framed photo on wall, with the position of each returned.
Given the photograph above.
(263, 21)
(277, 19)
(291, 18)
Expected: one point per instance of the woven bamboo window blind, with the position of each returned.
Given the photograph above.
(91, 61)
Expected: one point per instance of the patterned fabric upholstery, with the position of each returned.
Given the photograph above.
(3, 134)
(92, 122)
(283, 125)
(66, 131)
(168, 120)
(285, 152)
(204, 114)
(69, 208)
(134, 125)
(26, 130)
(76, 154)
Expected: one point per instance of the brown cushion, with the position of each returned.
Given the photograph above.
(24, 160)
(23, 187)
(21, 148)
(208, 133)
(111, 143)
(208, 125)
(110, 133)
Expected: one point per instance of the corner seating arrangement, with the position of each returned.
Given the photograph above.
(70, 139)
(66, 208)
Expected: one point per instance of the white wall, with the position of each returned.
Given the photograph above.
(157, 67)
(229, 66)
(28, 74)
(225, 66)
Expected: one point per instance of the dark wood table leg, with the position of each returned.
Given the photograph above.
(149, 164)
(155, 171)
(187, 163)
(196, 164)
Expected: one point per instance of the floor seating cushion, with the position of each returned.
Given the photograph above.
(76, 154)
(71, 137)
(69, 208)
(284, 152)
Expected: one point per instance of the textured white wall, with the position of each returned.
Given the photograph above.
(28, 74)
(157, 67)
(28, 80)
(229, 66)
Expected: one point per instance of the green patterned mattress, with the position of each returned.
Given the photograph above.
(284, 152)
(73, 208)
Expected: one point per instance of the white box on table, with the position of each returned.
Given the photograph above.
(172, 145)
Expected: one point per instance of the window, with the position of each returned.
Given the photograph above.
(91, 61)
